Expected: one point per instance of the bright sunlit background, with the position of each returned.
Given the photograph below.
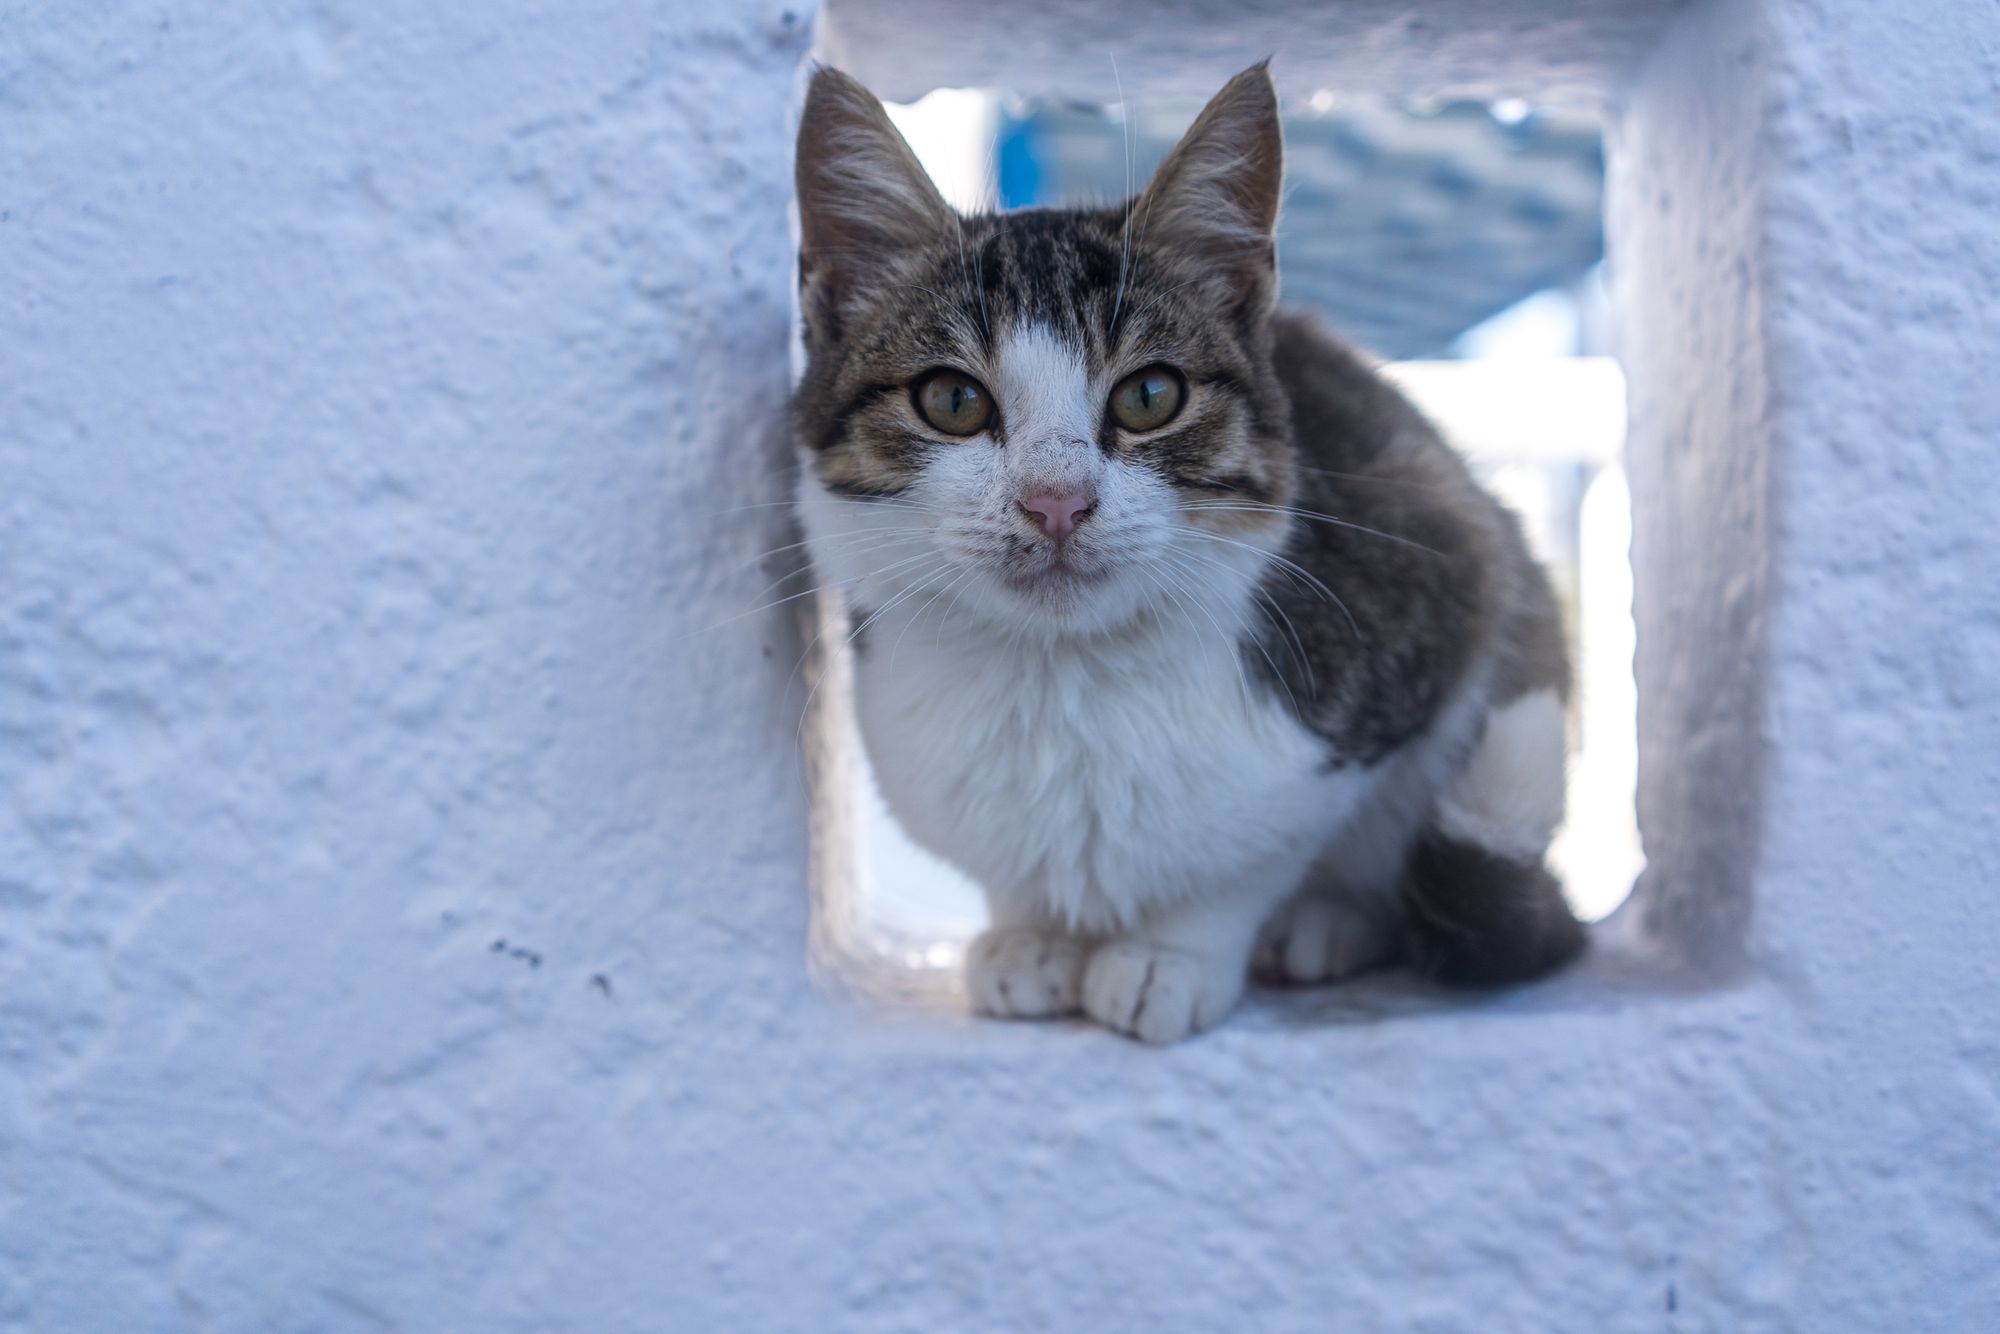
(1463, 243)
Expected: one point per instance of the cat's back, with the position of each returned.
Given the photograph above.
(1347, 417)
(1430, 576)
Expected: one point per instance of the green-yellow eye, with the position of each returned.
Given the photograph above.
(1147, 400)
(954, 402)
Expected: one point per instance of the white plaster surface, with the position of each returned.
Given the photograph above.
(378, 390)
(1559, 50)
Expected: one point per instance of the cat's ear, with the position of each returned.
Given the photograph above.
(864, 199)
(1217, 192)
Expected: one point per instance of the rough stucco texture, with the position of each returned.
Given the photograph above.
(1689, 160)
(1568, 50)
(1881, 842)
(402, 904)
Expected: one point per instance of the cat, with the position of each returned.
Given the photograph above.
(1177, 628)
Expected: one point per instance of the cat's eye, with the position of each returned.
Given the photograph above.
(1148, 399)
(954, 402)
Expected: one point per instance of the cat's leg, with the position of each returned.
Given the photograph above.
(1325, 934)
(1346, 918)
(1186, 966)
(1023, 966)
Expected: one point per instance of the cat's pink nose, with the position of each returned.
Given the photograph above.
(1059, 515)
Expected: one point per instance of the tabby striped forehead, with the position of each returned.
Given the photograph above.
(1048, 271)
(1071, 271)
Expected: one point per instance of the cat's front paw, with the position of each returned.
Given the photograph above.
(1317, 938)
(1017, 972)
(1158, 994)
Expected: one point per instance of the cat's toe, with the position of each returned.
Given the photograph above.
(1156, 994)
(1023, 973)
(1316, 939)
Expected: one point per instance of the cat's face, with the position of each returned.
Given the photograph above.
(1052, 418)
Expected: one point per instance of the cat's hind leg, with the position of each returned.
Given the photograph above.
(1346, 918)
(1324, 936)
(1480, 906)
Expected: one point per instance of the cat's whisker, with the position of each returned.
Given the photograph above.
(896, 502)
(775, 585)
(1125, 231)
(887, 500)
(1364, 477)
(918, 615)
(1155, 299)
(805, 710)
(1292, 569)
(1153, 575)
(1295, 646)
(826, 541)
(949, 595)
(1153, 578)
(731, 620)
(1315, 516)
(937, 640)
(1284, 563)
(887, 544)
(1203, 582)
(964, 270)
(746, 509)
(1242, 679)
(979, 286)
(804, 592)
(890, 605)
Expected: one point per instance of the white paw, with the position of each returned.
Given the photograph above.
(1156, 994)
(1314, 938)
(1023, 973)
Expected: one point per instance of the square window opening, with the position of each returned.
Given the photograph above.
(1460, 241)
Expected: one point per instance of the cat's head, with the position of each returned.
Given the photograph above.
(1056, 417)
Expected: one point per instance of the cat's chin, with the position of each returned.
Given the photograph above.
(1054, 584)
(1063, 598)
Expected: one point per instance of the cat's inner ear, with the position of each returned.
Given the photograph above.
(864, 199)
(1217, 193)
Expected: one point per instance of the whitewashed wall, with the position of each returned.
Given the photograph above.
(402, 903)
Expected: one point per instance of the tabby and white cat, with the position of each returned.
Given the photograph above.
(1182, 633)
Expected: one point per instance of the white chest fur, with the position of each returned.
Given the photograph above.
(1092, 780)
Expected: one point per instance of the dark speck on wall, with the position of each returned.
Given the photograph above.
(530, 957)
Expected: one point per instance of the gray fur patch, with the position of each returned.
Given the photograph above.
(1403, 568)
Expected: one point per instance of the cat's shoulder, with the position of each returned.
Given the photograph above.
(1343, 412)
(1402, 572)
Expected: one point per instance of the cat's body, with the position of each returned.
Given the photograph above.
(1179, 625)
